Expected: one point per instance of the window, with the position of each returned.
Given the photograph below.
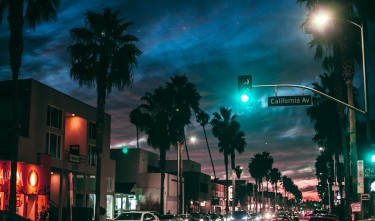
(53, 145)
(92, 131)
(109, 185)
(54, 117)
(91, 155)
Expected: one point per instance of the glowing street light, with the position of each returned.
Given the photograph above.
(321, 20)
(180, 174)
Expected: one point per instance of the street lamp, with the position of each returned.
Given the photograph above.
(180, 175)
(321, 20)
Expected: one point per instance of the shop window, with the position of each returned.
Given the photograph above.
(92, 131)
(91, 155)
(54, 117)
(53, 145)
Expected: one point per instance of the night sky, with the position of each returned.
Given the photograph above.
(211, 42)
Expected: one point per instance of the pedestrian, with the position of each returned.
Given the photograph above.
(43, 214)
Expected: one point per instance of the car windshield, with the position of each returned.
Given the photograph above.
(156, 214)
(129, 216)
(239, 214)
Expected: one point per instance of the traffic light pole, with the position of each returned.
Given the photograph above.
(315, 91)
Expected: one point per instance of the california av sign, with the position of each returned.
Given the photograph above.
(290, 100)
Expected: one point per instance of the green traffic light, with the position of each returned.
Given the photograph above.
(125, 150)
(244, 98)
(373, 158)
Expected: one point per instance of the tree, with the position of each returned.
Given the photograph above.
(324, 114)
(104, 56)
(203, 119)
(275, 177)
(339, 43)
(37, 11)
(231, 139)
(165, 113)
(136, 119)
(183, 102)
(259, 167)
(155, 111)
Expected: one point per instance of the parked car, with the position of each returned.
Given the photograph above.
(255, 216)
(319, 212)
(137, 216)
(240, 215)
(182, 217)
(225, 217)
(199, 217)
(167, 217)
(156, 214)
(323, 217)
(215, 217)
(282, 216)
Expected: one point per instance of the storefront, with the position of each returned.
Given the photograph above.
(33, 188)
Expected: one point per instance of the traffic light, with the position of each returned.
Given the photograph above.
(244, 87)
(125, 150)
(372, 151)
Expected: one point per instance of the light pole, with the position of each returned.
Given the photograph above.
(354, 166)
(320, 20)
(180, 175)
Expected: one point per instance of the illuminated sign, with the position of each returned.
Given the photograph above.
(33, 178)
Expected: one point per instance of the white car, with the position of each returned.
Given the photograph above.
(137, 216)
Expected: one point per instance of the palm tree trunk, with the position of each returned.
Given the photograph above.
(101, 90)
(209, 151)
(274, 207)
(186, 147)
(15, 20)
(227, 184)
(162, 177)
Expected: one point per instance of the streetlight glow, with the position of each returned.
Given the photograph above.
(193, 139)
(321, 19)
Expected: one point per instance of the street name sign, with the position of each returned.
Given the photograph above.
(290, 100)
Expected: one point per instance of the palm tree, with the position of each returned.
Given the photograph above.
(341, 44)
(165, 113)
(136, 119)
(155, 112)
(104, 56)
(37, 11)
(203, 118)
(325, 117)
(275, 177)
(259, 166)
(183, 101)
(231, 139)
(256, 172)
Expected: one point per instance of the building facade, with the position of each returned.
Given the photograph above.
(56, 153)
(138, 182)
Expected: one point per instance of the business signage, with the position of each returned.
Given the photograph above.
(290, 100)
